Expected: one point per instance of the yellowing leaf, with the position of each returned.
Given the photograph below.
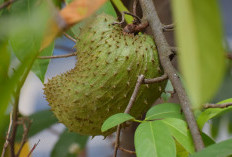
(70, 15)
(80, 9)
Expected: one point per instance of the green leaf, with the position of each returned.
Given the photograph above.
(199, 39)
(215, 126)
(222, 149)
(229, 126)
(108, 9)
(180, 151)
(4, 60)
(21, 46)
(40, 120)
(153, 139)
(69, 145)
(179, 130)
(3, 130)
(115, 120)
(207, 140)
(121, 7)
(169, 88)
(166, 110)
(21, 35)
(40, 65)
(212, 113)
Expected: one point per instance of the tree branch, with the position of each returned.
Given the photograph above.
(117, 142)
(155, 80)
(14, 126)
(25, 134)
(58, 56)
(69, 37)
(7, 136)
(135, 7)
(65, 48)
(33, 148)
(6, 4)
(134, 94)
(150, 13)
(127, 151)
(229, 56)
(224, 105)
(127, 110)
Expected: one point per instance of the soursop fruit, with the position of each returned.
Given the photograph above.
(109, 62)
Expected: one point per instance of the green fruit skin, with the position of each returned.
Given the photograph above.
(103, 80)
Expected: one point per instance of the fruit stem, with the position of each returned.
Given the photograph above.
(120, 6)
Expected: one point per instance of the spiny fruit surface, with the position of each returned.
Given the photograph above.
(104, 77)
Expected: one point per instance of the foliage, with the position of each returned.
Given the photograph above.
(69, 145)
(28, 29)
(199, 38)
(221, 149)
(115, 120)
(212, 113)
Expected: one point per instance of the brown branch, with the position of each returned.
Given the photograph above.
(168, 28)
(117, 142)
(33, 148)
(134, 94)
(25, 134)
(229, 56)
(135, 7)
(224, 105)
(126, 150)
(6, 4)
(58, 56)
(7, 136)
(69, 37)
(123, 18)
(65, 48)
(14, 126)
(150, 13)
(155, 80)
(127, 110)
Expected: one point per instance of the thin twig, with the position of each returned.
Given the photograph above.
(126, 150)
(150, 13)
(65, 48)
(123, 18)
(224, 105)
(133, 97)
(69, 37)
(229, 56)
(33, 148)
(25, 134)
(58, 56)
(14, 126)
(155, 80)
(7, 136)
(127, 110)
(135, 7)
(117, 142)
(168, 28)
(6, 4)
